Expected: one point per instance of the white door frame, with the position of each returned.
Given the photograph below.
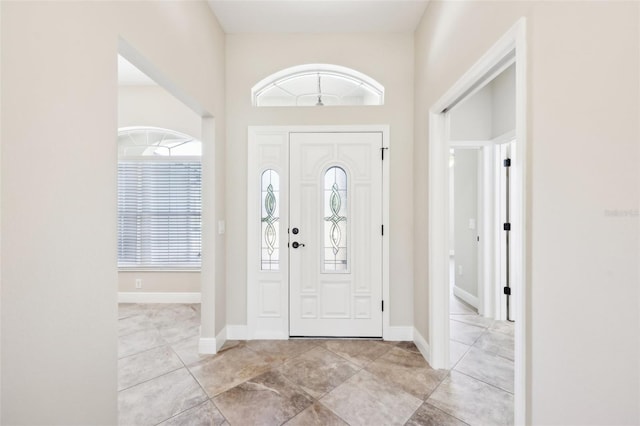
(276, 324)
(438, 260)
(490, 295)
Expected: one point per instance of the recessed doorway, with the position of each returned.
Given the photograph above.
(317, 253)
(506, 52)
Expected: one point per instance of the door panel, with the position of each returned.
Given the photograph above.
(335, 200)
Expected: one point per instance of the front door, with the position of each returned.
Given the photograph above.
(335, 241)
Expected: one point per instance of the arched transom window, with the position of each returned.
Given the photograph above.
(317, 85)
(146, 141)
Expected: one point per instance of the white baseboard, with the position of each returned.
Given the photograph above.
(237, 332)
(270, 335)
(221, 338)
(148, 297)
(466, 296)
(207, 345)
(211, 345)
(422, 345)
(398, 333)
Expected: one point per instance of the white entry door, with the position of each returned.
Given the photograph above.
(335, 234)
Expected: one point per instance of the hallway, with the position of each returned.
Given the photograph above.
(163, 380)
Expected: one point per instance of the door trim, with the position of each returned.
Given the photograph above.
(276, 326)
(469, 82)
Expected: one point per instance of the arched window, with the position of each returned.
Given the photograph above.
(317, 85)
(159, 199)
(154, 141)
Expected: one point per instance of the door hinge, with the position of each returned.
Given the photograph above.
(382, 229)
(507, 291)
(507, 162)
(507, 226)
(382, 305)
(382, 152)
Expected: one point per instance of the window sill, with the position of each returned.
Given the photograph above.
(168, 269)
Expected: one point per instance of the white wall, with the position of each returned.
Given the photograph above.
(58, 194)
(503, 102)
(471, 119)
(465, 209)
(488, 113)
(154, 106)
(582, 359)
(388, 58)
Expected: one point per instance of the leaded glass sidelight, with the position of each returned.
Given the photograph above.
(270, 200)
(335, 220)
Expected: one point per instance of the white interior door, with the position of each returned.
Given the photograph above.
(335, 235)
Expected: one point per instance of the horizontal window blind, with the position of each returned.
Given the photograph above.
(159, 214)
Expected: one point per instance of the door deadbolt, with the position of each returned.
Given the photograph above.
(295, 231)
(296, 244)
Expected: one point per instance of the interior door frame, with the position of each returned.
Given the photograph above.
(438, 260)
(275, 324)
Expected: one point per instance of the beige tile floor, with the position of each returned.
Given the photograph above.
(163, 380)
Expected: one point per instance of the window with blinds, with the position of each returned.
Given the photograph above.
(159, 210)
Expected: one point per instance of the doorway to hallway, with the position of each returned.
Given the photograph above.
(508, 51)
(317, 253)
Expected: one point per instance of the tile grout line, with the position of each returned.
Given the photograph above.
(148, 380)
(199, 385)
(296, 386)
(488, 351)
(466, 323)
(220, 411)
(461, 357)
(184, 411)
(448, 414)
(426, 400)
(486, 383)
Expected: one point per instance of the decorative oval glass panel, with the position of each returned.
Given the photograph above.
(270, 235)
(335, 220)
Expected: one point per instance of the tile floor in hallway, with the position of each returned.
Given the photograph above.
(163, 380)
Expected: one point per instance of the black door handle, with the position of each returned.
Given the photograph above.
(296, 244)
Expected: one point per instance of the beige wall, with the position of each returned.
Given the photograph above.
(160, 281)
(388, 58)
(154, 106)
(471, 119)
(488, 113)
(503, 102)
(465, 194)
(58, 260)
(582, 281)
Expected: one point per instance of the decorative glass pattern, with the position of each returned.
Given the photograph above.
(335, 220)
(270, 197)
(317, 85)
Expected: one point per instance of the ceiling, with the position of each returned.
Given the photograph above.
(318, 16)
(302, 16)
